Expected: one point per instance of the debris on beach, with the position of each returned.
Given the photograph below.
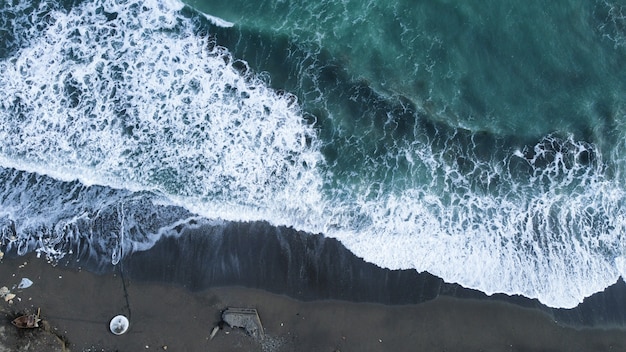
(214, 332)
(27, 321)
(25, 283)
(1, 255)
(31, 334)
(246, 318)
(6, 294)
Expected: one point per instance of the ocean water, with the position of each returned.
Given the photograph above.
(480, 141)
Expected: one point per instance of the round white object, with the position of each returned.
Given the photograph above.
(119, 325)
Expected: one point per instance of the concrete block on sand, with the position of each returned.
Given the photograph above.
(246, 318)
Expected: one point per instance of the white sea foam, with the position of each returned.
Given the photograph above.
(138, 102)
(53, 217)
(613, 27)
(129, 103)
(218, 21)
(555, 237)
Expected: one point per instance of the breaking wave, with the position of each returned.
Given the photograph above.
(121, 120)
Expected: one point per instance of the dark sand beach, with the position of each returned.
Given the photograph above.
(78, 305)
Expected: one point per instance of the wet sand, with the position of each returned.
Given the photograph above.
(78, 306)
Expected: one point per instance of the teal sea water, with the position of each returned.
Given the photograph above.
(481, 141)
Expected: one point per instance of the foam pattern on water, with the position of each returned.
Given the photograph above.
(125, 94)
(505, 67)
(613, 27)
(56, 218)
(159, 124)
(554, 233)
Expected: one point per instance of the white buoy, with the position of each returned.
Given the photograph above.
(119, 325)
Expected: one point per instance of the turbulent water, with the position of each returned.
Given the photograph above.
(481, 141)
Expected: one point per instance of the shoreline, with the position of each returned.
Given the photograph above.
(78, 305)
(306, 267)
(311, 267)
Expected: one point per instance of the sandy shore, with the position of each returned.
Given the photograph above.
(78, 306)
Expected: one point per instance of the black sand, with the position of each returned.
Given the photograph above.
(78, 306)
